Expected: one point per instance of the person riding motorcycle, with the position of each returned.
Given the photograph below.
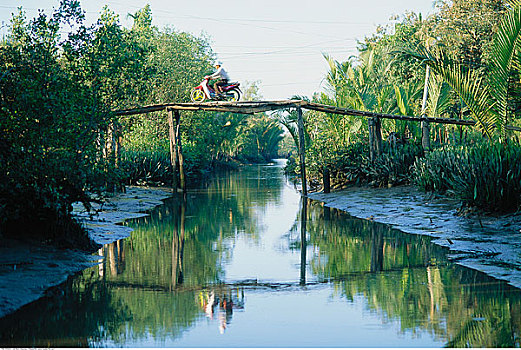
(222, 77)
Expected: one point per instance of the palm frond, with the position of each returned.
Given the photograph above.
(468, 84)
(505, 57)
(438, 101)
(473, 91)
(401, 100)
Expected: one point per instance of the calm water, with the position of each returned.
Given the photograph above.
(246, 263)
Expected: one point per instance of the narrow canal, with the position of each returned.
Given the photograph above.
(245, 262)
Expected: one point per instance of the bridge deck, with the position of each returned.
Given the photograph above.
(251, 107)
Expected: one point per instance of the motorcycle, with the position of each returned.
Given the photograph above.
(231, 92)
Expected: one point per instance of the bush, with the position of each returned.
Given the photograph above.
(484, 175)
(353, 166)
(147, 167)
(393, 167)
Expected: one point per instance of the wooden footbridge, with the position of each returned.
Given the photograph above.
(251, 107)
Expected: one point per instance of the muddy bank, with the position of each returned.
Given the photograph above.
(485, 243)
(28, 270)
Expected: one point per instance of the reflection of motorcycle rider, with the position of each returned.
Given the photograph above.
(222, 77)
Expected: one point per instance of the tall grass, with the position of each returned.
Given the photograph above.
(483, 175)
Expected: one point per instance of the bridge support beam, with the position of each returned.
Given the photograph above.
(176, 150)
(302, 150)
(173, 149)
(326, 179)
(426, 140)
(375, 137)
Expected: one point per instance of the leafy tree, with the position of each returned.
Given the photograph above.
(44, 156)
(485, 93)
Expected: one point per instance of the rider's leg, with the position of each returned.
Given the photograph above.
(219, 84)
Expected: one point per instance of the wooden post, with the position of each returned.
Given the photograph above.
(370, 124)
(302, 151)
(173, 149)
(375, 137)
(378, 136)
(426, 142)
(180, 150)
(121, 188)
(303, 241)
(326, 180)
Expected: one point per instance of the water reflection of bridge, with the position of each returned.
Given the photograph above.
(376, 245)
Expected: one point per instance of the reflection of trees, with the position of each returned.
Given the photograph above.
(70, 317)
(407, 278)
(158, 283)
(149, 284)
(198, 234)
(180, 248)
(377, 251)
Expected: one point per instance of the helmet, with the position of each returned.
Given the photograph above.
(218, 63)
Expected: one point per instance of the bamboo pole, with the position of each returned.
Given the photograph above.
(249, 107)
(426, 140)
(352, 112)
(302, 151)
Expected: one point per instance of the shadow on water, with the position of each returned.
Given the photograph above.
(166, 285)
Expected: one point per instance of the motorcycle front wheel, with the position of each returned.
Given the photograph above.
(197, 95)
(235, 95)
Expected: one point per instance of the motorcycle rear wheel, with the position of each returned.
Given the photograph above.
(235, 95)
(197, 95)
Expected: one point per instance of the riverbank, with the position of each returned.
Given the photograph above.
(28, 270)
(491, 244)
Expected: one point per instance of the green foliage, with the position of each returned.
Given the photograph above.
(487, 91)
(352, 166)
(58, 138)
(466, 28)
(261, 139)
(47, 150)
(481, 175)
(147, 167)
(394, 166)
(475, 59)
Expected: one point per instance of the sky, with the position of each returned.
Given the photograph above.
(279, 43)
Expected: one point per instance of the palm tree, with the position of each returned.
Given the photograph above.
(365, 86)
(484, 92)
(288, 119)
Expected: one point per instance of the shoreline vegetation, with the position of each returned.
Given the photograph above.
(60, 143)
(428, 67)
